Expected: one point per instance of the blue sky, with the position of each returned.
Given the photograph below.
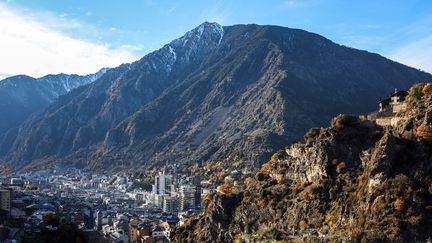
(80, 36)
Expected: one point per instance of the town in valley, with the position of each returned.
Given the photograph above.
(111, 208)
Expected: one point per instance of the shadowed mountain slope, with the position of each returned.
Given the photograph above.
(236, 92)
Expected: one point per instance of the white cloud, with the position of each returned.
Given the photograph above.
(417, 54)
(4, 75)
(36, 46)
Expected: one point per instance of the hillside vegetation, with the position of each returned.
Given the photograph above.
(352, 181)
(218, 93)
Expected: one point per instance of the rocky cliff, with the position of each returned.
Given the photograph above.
(353, 181)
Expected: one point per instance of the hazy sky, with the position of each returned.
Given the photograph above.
(38, 37)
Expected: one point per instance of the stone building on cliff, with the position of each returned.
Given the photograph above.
(388, 108)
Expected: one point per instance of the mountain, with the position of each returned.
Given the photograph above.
(217, 93)
(351, 182)
(22, 95)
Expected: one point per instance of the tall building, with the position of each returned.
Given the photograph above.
(158, 200)
(5, 199)
(198, 191)
(171, 205)
(110, 221)
(187, 197)
(190, 195)
(163, 184)
(163, 187)
(99, 220)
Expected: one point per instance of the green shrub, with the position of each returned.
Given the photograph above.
(344, 121)
(399, 205)
(275, 234)
(247, 228)
(415, 93)
(279, 155)
(312, 134)
(427, 89)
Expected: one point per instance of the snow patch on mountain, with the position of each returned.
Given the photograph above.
(219, 29)
(170, 59)
(200, 31)
(63, 83)
(204, 33)
(172, 52)
(50, 86)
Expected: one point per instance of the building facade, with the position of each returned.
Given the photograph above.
(163, 184)
(171, 205)
(388, 108)
(5, 199)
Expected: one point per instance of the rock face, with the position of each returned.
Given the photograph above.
(20, 96)
(212, 94)
(353, 181)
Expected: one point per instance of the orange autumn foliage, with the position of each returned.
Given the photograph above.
(399, 205)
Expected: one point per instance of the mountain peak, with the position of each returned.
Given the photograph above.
(209, 26)
(18, 77)
(191, 47)
(22, 95)
(204, 33)
(204, 93)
